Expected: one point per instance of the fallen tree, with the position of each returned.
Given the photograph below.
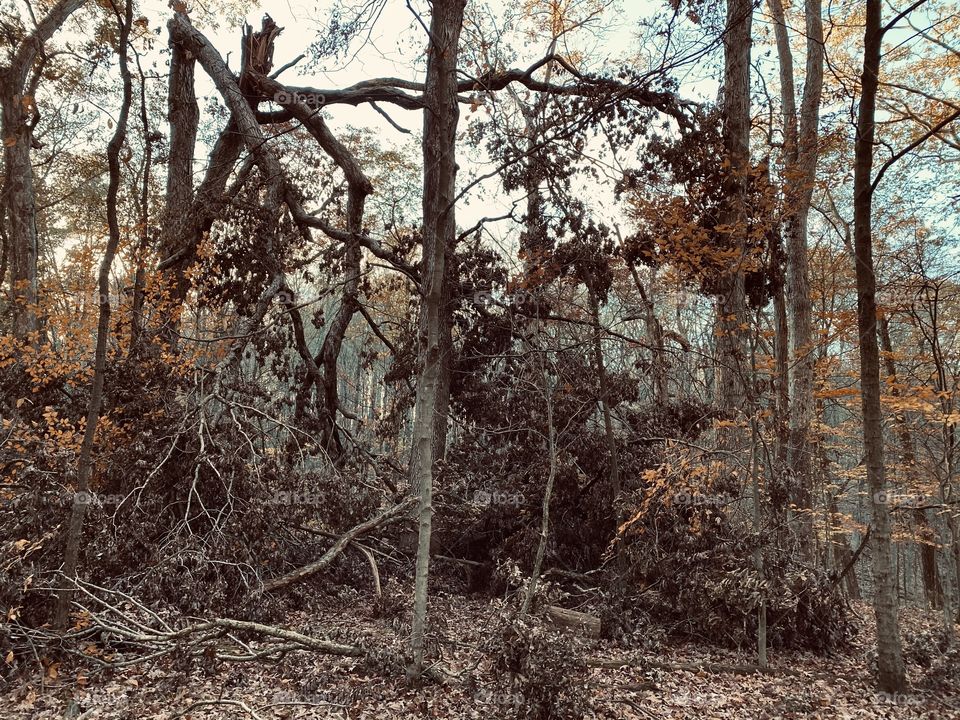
(339, 546)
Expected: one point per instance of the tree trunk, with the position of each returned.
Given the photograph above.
(547, 390)
(889, 656)
(143, 246)
(18, 106)
(800, 166)
(655, 336)
(85, 462)
(440, 117)
(732, 303)
(183, 114)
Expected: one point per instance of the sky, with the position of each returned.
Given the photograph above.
(393, 47)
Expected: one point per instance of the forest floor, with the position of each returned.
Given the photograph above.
(799, 685)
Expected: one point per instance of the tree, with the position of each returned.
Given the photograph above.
(85, 462)
(801, 151)
(439, 233)
(891, 676)
(19, 80)
(732, 302)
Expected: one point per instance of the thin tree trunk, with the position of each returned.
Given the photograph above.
(85, 462)
(757, 553)
(655, 336)
(611, 439)
(781, 362)
(889, 656)
(440, 118)
(547, 389)
(140, 272)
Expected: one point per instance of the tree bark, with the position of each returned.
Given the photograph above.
(889, 655)
(588, 624)
(440, 118)
(801, 152)
(183, 115)
(19, 114)
(732, 303)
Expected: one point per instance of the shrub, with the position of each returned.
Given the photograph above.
(539, 676)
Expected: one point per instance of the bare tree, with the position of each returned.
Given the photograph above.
(439, 234)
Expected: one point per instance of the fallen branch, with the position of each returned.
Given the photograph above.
(206, 703)
(853, 560)
(133, 628)
(338, 547)
(374, 570)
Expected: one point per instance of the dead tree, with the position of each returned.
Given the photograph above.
(86, 461)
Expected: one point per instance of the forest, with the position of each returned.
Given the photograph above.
(548, 359)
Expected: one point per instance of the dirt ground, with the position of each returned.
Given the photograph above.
(302, 685)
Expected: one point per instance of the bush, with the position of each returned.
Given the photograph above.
(539, 676)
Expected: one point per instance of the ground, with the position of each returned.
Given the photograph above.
(800, 685)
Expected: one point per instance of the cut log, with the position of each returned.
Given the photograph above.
(589, 625)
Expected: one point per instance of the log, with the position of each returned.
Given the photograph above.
(588, 624)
